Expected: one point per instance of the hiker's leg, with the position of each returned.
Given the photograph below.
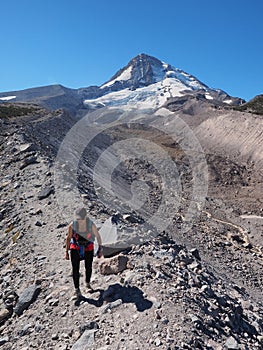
(88, 264)
(75, 266)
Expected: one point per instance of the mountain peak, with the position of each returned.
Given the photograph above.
(143, 57)
(142, 70)
(146, 82)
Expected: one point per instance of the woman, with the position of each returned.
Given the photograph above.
(80, 242)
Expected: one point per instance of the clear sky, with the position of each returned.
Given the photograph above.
(78, 43)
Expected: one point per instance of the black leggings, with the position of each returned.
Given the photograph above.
(75, 261)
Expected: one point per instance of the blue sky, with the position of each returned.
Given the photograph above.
(81, 43)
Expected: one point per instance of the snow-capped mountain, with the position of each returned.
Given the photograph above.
(144, 70)
(146, 82)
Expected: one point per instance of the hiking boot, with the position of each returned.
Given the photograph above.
(77, 293)
(89, 286)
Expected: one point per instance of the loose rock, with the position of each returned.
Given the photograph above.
(113, 265)
(27, 297)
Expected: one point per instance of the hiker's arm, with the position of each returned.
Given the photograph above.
(97, 235)
(69, 236)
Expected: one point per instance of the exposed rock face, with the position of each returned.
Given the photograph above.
(143, 72)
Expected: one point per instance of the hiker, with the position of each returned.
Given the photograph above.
(80, 243)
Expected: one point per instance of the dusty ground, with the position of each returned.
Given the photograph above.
(166, 298)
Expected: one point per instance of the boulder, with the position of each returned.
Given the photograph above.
(27, 297)
(45, 192)
(114, 265)
(86, 341)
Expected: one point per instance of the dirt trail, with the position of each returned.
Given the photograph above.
(244, 238)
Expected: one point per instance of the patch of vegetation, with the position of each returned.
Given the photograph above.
(254, 106)
(9, 111)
